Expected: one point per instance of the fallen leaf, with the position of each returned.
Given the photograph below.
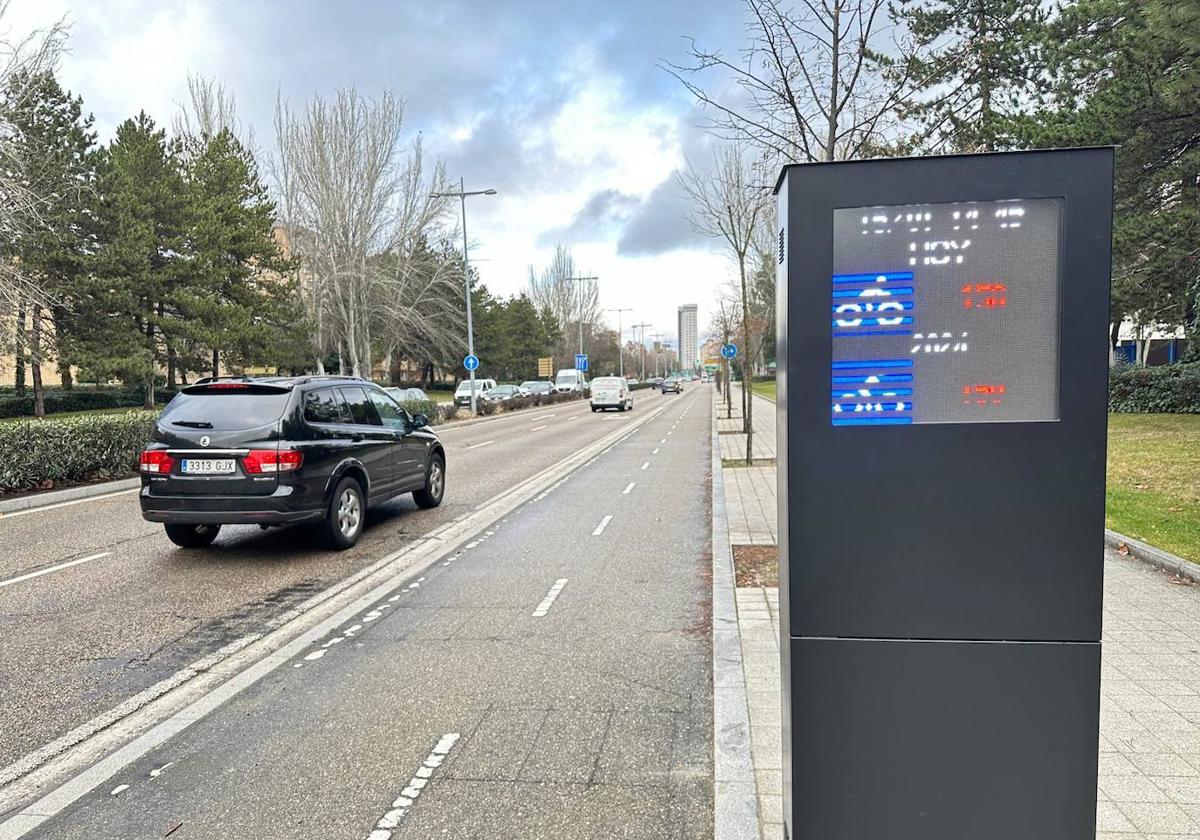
(1122, 548)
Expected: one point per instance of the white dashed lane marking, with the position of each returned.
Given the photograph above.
(478, 445)
(646, 465)
(629, 488)
(655, 452)
(538, 428)
(390, 821)
(118, 789)
(548, 601)
(603, 524)
(55, 568)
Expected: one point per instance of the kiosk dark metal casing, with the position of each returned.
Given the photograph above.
(942, 406)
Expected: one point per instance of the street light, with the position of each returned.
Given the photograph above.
(580, 280)
(620, 336)
(461, 195)
(643, 345)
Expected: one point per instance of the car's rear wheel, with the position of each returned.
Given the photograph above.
(346, 516)
(192, 536)
(430, 496)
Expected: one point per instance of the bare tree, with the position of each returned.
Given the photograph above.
(573, 303)
(729, 203)
(812, 85)
(358, 212)
(210, 109)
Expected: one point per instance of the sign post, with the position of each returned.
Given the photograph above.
(942, 422)
(471, 363)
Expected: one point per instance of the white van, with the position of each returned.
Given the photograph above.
(462, 394)
(611, 392)
(569, 381)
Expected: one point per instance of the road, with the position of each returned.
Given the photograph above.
(546, 675)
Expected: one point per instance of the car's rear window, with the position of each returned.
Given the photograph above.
(606, 382)
(225, 410)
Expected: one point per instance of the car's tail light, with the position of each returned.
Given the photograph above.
(259, 461)
(156, 461)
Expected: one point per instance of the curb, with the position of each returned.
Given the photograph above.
(70, 494)
(735, 792)
(1156, 557)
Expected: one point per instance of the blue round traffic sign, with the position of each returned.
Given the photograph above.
(471, 362)
(729, 350)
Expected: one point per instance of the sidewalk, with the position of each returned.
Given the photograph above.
(1149, 773)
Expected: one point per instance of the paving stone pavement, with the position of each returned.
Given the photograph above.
(1149, 768)
(733, 441)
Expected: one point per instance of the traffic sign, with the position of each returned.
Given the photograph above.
(581, 361)
(546, 366)
(729, 350)
(471, 362)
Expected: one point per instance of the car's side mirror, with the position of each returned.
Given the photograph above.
(420, 421)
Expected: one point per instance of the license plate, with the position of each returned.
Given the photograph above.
(208, 466)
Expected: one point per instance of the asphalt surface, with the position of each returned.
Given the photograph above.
(591, 718)
(80, 640)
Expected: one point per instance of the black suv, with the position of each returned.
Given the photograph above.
(275, 450)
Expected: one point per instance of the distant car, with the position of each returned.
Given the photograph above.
(611, 392)
(537, 386)
(502, 393)
(462, 394)
(631, 381)
(407, 394)
(672, 386)
(655, 381)
(276, 450)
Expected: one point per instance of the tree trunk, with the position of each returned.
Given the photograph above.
(835, 41)
(35, 361)
(216, 363)
(748, 423)
(148, 400)
(65, 377)
(171, 359)
(19, 347)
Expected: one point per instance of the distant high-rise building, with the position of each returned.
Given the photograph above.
(688, 339)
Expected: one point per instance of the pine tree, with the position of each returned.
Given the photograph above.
(128, 311)
(972, 62)
(1127, 73)
(51, 149)
(239, 299)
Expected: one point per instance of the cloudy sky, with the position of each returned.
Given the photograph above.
(557, 104)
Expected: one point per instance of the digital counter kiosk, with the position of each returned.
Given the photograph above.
(942, 395)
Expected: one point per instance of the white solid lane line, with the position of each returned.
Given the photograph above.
(477, 445)
(603, 524)
(68, 503)
(646, 465)
(538, 428)
(49, 569)
(548, 601)
(629, 488)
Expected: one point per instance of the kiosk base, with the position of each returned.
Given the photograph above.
(940, 740)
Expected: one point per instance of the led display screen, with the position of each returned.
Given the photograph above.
(946, 313)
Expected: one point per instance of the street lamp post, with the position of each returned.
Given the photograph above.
(580, 280)
(656, 338)
(461, 195)
(643, 346)
(620, 336)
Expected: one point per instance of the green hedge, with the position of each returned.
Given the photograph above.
(36, 454)
(78, 399)
(1165, 389)
(427, 407)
